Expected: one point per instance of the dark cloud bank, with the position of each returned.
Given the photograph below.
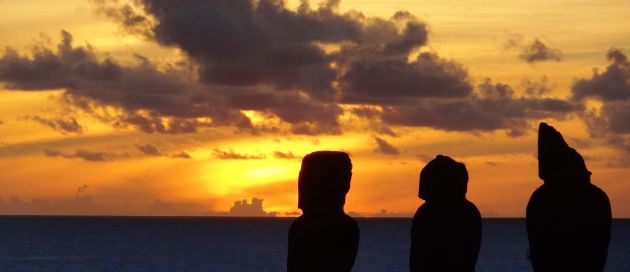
(612, 88)
(298, 65)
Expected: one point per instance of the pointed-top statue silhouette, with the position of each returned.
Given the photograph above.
(446, 230)
(568, 218)
(557, 161)
(324, 238)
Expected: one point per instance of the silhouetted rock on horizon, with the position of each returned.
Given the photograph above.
(242, 208)
(324, 237)
(446, 230)
(568, 218)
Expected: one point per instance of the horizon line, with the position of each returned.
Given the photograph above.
(233, 216)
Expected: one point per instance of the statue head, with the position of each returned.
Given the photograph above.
(443, 179)
(558, 163)
(324, 181)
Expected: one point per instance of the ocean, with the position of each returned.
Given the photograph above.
(47, 243)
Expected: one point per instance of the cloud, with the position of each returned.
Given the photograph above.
(136, 196)
(132, 21)
(494, 107)
(242, 44)
(152, 122)
(617, 115)
(493, 163)
(381, 213)
(86, 155)
(283, 155)
(300, 54)
(612, 87)
(83, 188)
(47, 70)
(386, 213)
(63, 125)
(83, 204)
(385, 148)
(513, 41)
(77, 205)
(150, 99)
(181, 155)
(151, 150)
(1, 122)
(148, 149)
(611, 123)
(394, 80)
(538, 51)
(231, 155)
(621, 162)
(296, 65)
(536, 88)
(245, 43)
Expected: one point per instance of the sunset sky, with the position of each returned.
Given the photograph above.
(164, 107)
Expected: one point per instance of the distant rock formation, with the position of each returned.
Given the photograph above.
(242, 208)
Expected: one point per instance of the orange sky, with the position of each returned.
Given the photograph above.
(59, 157)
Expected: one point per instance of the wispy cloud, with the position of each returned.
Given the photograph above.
(181, 155)
(231, 155)
(86, 155)
(493, 163)
(384, 147)
(535, 88)
(283, 155)
(148, 149)
(151, 150)
(63, 125)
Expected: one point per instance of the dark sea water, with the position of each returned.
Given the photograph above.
(235, 244)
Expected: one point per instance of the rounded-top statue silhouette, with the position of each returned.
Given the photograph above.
(324, 238)
(446, 230)
(568, 218)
